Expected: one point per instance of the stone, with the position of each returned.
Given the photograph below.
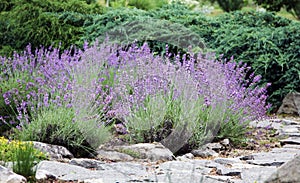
(110, 172)
(292, 146)
(284, 150)
(224, 170)
(223, 179)
(93, 181)
(227, 161)
(197, 167)
(146, 151)
(289, 135)
(54, 151)
(260, 123)
(7, 176)
(271, 158)
(290, 104)
(225, 142)
(204, 153)
(113, 156)
(257, 174)
(290, 129)
(288, 172)
(180, 171)
(87, 163)
(289, 122)
(213, 146)
(186, 157)
(244, 166)
(290, 140)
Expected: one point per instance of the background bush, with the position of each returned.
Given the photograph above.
(43, 23)
(268, 43)
(230, 5)
(292, 6)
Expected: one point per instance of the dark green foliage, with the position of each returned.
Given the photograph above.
(147, 4)
(230, 5)
(267, 43)
(139, 4)
(275, 5)
(43, 23)
(6, 5)
(103, 23)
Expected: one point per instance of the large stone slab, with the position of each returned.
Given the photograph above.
(227, 161)
(87, 163)
(196, 167)
(7, 176)
(288, 172)
(271, 158)
(204, 153)
(54, 151)
(110, 172)
(257, 174)
(291, 140)
(146, 151)
(114, 156)
(291, 146)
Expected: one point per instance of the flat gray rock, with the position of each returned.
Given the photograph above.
(227, 161)
(197, 167)
(291, 140)
(290, 122)
(54, 151)
(114, 172)
(284, 150)
(292, 146)
(181, 178)
(257, 174)
(223, 179)
(7, 176)
(288, 172)
(270, 159)
(260, 124)
(204, 153)
(113, 156)
(289, 135)
(186, 157)
(290, 129)
(182, 171)
(148, 151)
(87, 163)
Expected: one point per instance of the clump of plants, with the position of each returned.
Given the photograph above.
(49, 22)
(23, 156)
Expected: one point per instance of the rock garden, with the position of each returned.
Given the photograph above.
(157, 92)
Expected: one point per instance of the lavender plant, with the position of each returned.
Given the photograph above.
(159, 106)
(47, 112)
(186, 100)
(93, 78)
(213, 98)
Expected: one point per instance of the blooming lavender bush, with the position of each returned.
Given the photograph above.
(174, 100)
(45, 108)
(199, 98)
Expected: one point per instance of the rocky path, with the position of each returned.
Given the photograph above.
(154, 163)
